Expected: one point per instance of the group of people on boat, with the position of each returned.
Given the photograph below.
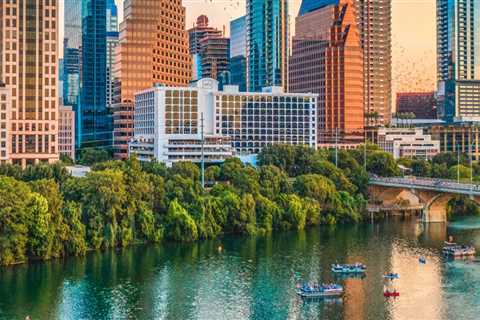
(349, 268)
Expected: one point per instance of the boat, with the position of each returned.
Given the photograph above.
(422, 260)
(459, 251)
(391, 293)
(348, 268)
(391, 276)
(309, 290)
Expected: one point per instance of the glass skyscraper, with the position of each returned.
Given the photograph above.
(238, 53)
(112, 42)
(96, 120)
(267, 43)
(72, 43)
(458, 62)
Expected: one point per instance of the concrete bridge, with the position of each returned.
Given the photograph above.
(432, 194)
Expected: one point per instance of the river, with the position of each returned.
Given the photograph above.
(254, 278)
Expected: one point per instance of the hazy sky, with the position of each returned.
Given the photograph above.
(413, 35)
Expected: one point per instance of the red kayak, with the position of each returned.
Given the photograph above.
(389, 294)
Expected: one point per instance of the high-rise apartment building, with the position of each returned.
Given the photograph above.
(112, 42)
(374, 19)
(267, 44)
(214, 53)
(95, 118)
(5, 112)
(238, 53)
(66, 131)
(153, 49)
(327, 59)
(458, 63)
(29, 69)
(72, 44)
(198, 33)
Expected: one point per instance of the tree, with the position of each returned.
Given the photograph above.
(316, 187)
(90, 156)
(212, 174)
(179, 225)
(462, 172)
(382, 164)
(294, 213)
(40, 228)
(266, 212)
(14, 214)
(328, 169)
(185, 169)
(76, 244)
(421, 168)
(273, 181)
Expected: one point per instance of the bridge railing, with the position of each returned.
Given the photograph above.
(433, 183)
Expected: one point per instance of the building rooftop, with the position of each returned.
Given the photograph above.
(312, 5)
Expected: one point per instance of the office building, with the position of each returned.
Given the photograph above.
(112, 42)
(423, 105)
(238, 53)
(374, 20)
(168, 121)
(29, 69)
(407, 143)
(153, 49)
(458, 66)
(196, 35)
(460, 137)
(327, 60)
(96, 124)
(66, 131)
(5, 112)
(267, 44)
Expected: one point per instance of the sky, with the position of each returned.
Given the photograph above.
(413, 35)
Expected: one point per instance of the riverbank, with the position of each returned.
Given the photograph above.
(253, 278)
(49, 214)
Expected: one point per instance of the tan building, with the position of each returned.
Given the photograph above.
(5, 111)
(461, 138)
(374, 19)
(66, 131)
(327, 60)
(153, 49)
(29, 68)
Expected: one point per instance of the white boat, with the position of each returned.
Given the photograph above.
(316, 291)
(348, 268)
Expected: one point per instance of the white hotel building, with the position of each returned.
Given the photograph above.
(167, 121)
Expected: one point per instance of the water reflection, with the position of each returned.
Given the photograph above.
(254, 278)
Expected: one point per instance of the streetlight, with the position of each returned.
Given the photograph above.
(202, 158)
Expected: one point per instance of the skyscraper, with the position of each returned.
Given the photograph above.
(29, 69)
(72, 43)
(153, 49)
(96, 120)
(374, 24)
(267, 43)
(327, 59)
(458, 63)
(238, 53)
(112, 42)
(196, 34)
(214, 53)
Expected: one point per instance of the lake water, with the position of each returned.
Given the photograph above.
(254, 278)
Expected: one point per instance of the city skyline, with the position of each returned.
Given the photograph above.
(413, 57)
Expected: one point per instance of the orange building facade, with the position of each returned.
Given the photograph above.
(327, 59)
(29, 70)
(153, 49)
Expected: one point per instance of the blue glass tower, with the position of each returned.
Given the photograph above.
(72, 43)
(238, 53)
(458, 59)
(96, 119)
(267, 43)
(112, 43)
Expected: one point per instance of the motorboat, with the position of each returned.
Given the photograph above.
(459, 251)
(391, 293)
(391, 276)
(309, 290)
(348, 268)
